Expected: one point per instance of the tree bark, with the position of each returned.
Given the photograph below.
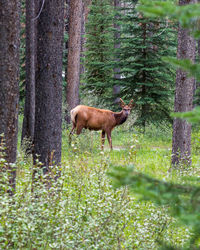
(73, 60)
(67, 20)
(181, 141)
(29, 108)
(9, 78)
(48, 95)
(85, 12)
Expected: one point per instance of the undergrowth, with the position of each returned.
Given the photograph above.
(80, 209)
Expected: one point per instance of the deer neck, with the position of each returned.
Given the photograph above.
(120, 117)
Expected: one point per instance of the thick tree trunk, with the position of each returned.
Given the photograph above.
(144, 107)
(181, 145)
(9, 77)
(73, 60)
(29, 108)
(48, 93)
(82, 68)
(197, 83)
(85, 12)
(66, 30)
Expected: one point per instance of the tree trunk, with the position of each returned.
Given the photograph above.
(181, 141)
(85, 12)
(117, 75)
(67, 29)
(73, 60)
(82, 68)
(197, 83)
(29, 108)
(48, 92)
(144, 106)
(9, 78)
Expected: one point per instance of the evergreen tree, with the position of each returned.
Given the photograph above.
(117, 45)
(145, 76)
(182, 200)
(99, 48)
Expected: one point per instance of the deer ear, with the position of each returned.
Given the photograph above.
(131, 104)
(121, 103)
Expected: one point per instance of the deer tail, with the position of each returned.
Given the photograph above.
(73, 114)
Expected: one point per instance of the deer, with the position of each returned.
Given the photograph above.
(99, 119)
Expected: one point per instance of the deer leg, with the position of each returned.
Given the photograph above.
(71, 133)
(102, 139)
(73, 127)
(109, 139)
(79, 129)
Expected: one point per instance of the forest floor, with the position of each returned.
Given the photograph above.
(150, 153)
(87, 212)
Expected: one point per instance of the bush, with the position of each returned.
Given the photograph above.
(80, 210)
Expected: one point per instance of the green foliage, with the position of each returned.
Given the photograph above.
(183, 200)
(99, 48)
(193, 69)
(188, 15)
(191, 116)
(80, 210)
(145, 76)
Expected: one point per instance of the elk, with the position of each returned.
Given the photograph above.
(99, 119)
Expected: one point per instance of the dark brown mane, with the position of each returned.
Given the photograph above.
(120, 118)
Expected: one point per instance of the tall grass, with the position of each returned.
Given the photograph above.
(81, 210)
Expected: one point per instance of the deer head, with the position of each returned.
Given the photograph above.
(126, 108)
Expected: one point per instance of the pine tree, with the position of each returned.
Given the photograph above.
(99, 48)
(145, 76)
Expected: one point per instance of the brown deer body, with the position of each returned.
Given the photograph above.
(99, 119)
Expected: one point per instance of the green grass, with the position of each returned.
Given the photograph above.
(149, 154)
(82, 210)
